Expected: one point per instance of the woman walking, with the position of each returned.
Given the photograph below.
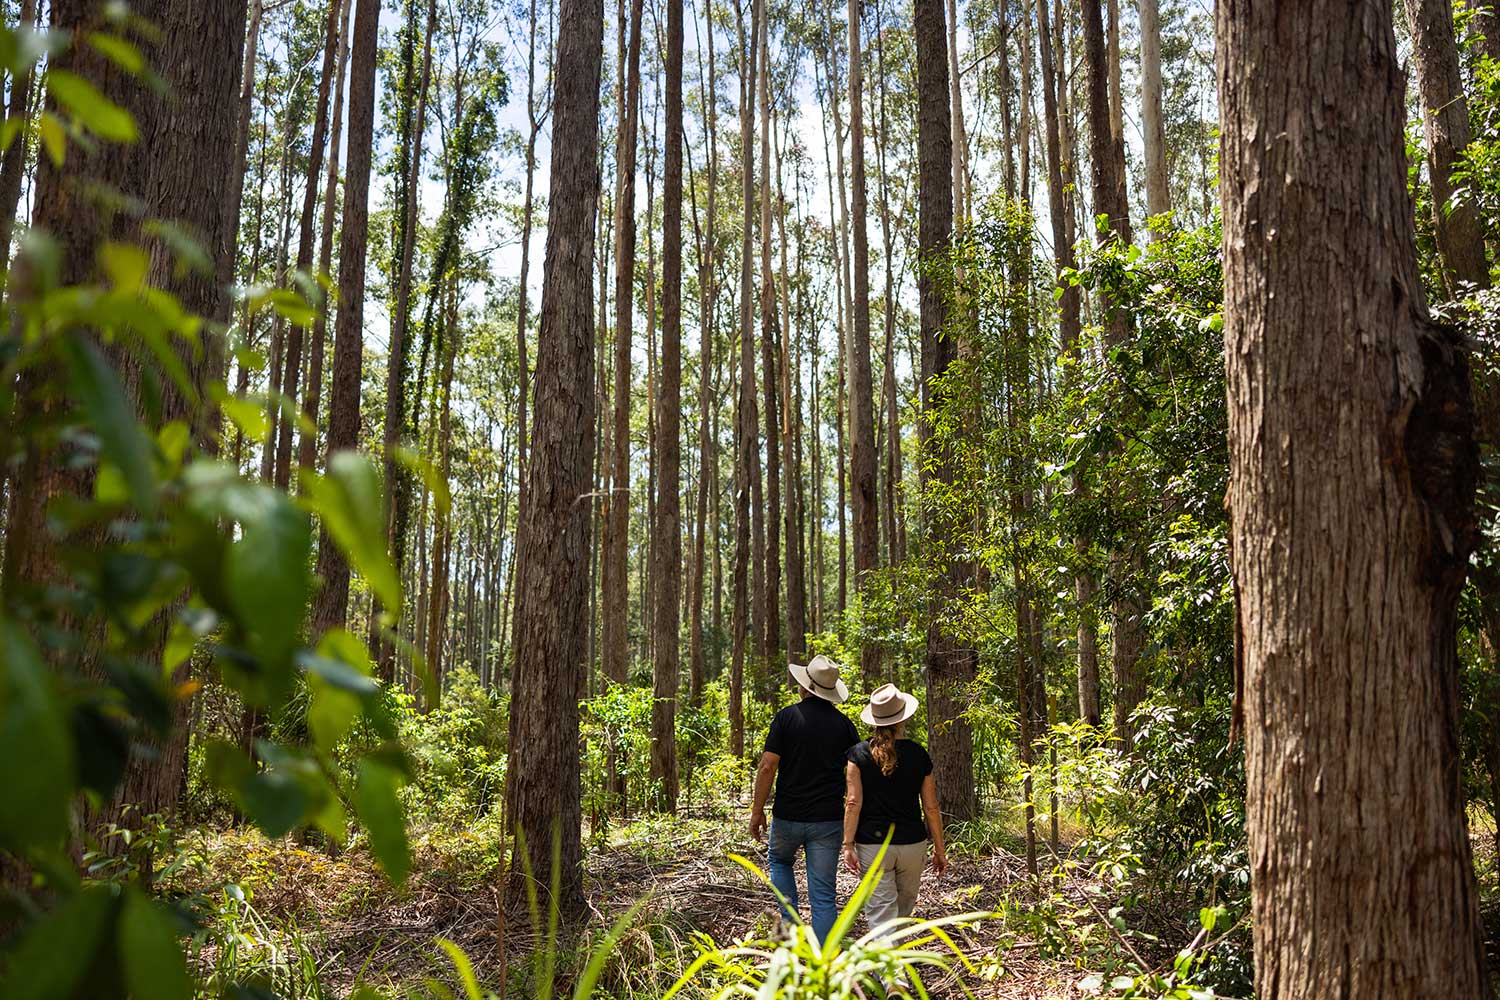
(891, 793)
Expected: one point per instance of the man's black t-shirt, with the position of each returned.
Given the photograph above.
(811, 738)
(894, 801)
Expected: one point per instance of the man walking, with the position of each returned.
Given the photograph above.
(804, 756)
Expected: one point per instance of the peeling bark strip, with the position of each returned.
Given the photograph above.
(1352, 464)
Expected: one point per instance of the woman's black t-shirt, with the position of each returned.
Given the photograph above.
(893, 801)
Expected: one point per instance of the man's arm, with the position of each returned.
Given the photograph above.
(765, 774)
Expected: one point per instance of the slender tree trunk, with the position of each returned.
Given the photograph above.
(707, 442)
(796, 577)
(951, 667)
(861, 406)
(291, 377)
(1125, 562)
(667, 532)
(397, 484)
(1460, 231)
(1069, 330)
(543, 794)
(1352, 470)
(13, 161)
(331, 607)
(1158, 200)
(770, 382)
(895, 535)
(312, 397)
(617, 517)
(746, 417)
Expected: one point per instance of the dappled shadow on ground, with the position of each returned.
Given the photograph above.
(360, 931)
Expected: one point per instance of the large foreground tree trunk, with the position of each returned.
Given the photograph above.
(1352, 465)
(553, 549)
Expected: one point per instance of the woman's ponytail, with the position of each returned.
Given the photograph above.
(883, 748)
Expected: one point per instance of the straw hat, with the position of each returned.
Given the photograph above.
(821, 677)
(888, 706)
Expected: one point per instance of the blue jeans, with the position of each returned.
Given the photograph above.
(822, 842)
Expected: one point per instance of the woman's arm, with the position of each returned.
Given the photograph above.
(854, 798)
(934, 817)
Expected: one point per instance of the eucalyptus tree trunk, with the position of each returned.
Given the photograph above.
(615, 598)
(13, 161)
(708, 451)
(1110, 201)
(796, 555)
(312, 397)
(409, 164)
(291, 376)
(1068, 329)
(1352, 471)
(861, 406)
(667, 531)
(331, 607)
(552, 579)
(951, 667)
(746, 418)
(1158, 198)
(771, 620)
(1460, 231)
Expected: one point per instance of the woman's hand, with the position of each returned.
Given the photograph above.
(939, 861)
(851, 858)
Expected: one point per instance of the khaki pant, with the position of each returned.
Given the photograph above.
(895, 895)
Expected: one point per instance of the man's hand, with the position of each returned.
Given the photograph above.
(940, 861)
(758, 824)
(851, 858)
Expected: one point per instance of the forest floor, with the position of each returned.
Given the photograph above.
(305, 909)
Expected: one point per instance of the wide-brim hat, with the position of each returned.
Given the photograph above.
(888, 706)
(821, 677)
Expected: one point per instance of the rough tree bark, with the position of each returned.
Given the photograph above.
(861, 405)
(312, 397)
(617, 506)
(552, 558)
(331, 607)
(667, 532)
(1352, 470)
(951, 666)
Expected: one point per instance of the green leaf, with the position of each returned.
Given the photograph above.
(275, 800)
(379, 809)
(152, 959)
(248, 415)
(54, 138)
(9, 130)
(351, 504)
(125, 265)
(338, 679)
(268, 579)
(118, 51)
(37, 768)
(57, 952)
(464, 967)
(90, 107)
(1121, 983)
(435, 482)
(113, 419)
(1207, 917)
